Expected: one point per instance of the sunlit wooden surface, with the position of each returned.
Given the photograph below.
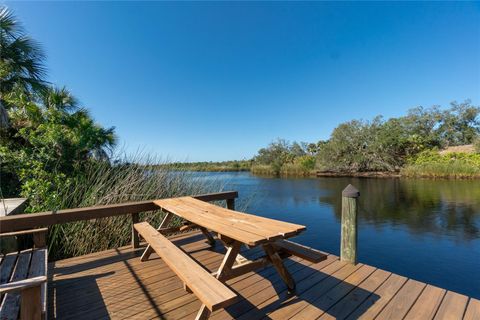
(116, 284)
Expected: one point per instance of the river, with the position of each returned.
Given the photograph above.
(428, 230)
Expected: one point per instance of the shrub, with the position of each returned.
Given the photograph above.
(306, 162)
(476, 145)
(450, 165)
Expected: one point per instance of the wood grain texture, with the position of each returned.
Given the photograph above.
(243, 227)
(452, 307)
(44, 219)
(349, 236)
(398, 307)
(209, 290)
(115, 284)
(473, 310)
(301, 251)
(427, 304)
(31, 304)
(11, 302)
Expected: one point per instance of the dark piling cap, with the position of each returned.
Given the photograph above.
(350, 192)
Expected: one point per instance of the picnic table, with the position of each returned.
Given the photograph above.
(234, 229)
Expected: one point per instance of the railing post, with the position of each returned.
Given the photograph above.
(135, 239)
(40, 239)
(348, 245)
(231, 204)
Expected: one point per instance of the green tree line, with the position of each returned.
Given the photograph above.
(376, 145)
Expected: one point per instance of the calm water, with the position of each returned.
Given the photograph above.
(424, 229)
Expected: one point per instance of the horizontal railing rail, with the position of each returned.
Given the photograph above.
(50, 218)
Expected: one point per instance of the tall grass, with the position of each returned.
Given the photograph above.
(286, 170)
(431, 164)
(224, 166)
(103, 183)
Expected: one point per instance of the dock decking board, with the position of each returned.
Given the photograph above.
(116, 284)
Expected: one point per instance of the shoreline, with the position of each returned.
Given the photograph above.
(326, 174)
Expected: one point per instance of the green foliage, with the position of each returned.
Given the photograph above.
(235, 165)
(21, 62)
(430, 163)
(379, 145)
(476, 145)
(49, 142)
(306, 162)
(460, 124)
(49, 139)
(280, 153)
(103, 183)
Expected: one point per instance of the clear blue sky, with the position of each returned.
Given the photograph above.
(217, 81)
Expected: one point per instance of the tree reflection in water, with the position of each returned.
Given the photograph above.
(440, 207)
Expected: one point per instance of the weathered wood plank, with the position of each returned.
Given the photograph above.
(284, 228)
(398, 307)
(11, 303)
(452, 307)
(44, 219)
(20, 285)
(248, 229)
(319, 306)
(6, 268)
(130, 289)
(301, 251)
(209, 290)
(39, 267)
(473, 310)
(31, 304)
(327, 281)
(266, 301)
(378, 299)
(22, 232)
(427, 304)
(352, 300)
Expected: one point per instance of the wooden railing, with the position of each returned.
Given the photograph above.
(50, 218)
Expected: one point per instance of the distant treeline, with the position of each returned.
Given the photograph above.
(235, 165)
(377, 145)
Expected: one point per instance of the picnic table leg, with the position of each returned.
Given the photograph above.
(230, 257)
(203, 314)
(278, 264)
(165, 222)
(208, 235)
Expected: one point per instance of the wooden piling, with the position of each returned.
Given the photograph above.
(348, 244)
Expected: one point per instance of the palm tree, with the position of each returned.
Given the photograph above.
(87, 139)
(21, 62)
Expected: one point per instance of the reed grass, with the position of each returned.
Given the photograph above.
(289, 169)
(103, 183)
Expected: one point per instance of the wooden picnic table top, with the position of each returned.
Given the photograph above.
(246, 228)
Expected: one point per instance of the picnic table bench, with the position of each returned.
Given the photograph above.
(23, 279)
(234, 229)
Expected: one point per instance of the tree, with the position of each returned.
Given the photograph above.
(21, 62)
(460, 124)
(54, 140)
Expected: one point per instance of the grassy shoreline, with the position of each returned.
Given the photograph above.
(429, 164)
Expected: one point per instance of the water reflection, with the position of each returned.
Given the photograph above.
(427, 230)
(439, 207)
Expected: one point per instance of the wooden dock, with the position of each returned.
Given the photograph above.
(115, 284)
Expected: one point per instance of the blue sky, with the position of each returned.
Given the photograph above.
(217, 81)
